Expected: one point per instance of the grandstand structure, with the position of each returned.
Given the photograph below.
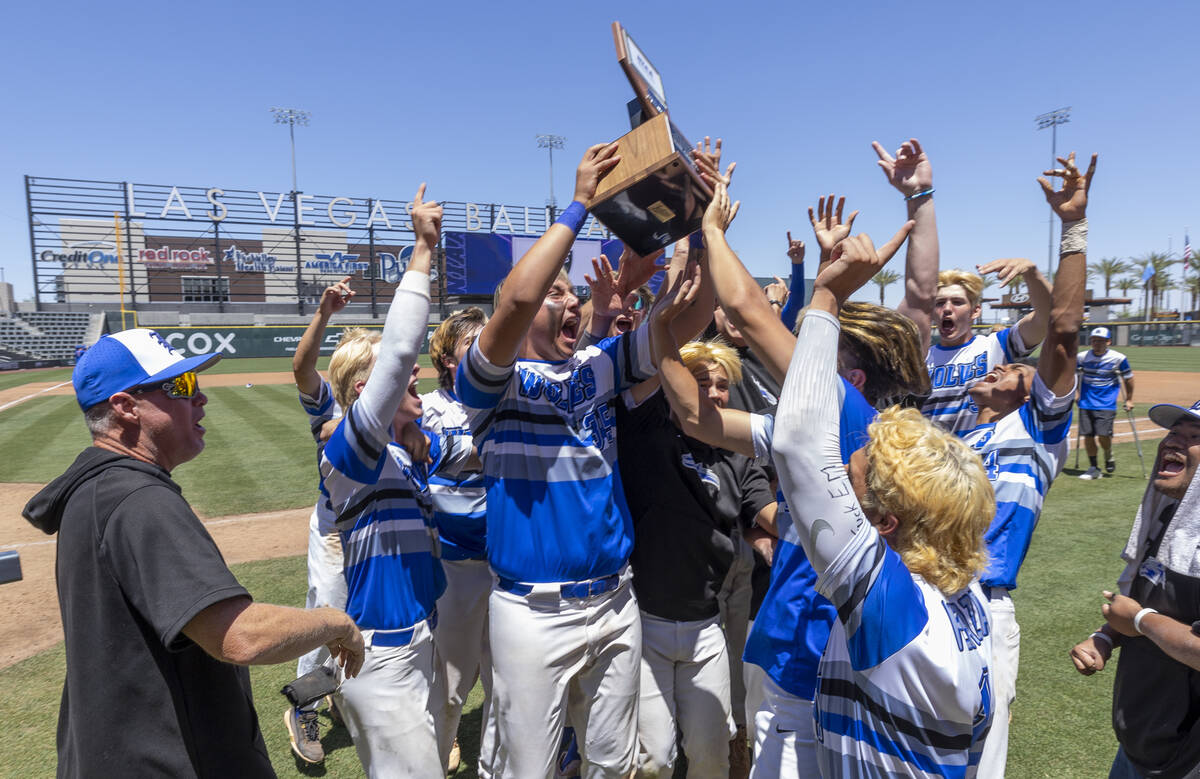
(46, 336)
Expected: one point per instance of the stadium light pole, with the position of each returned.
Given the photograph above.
(1052, 120)
(291, 117)
(550, 143)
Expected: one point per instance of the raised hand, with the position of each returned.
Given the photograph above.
(634, 270)
(1007, 269)
(777, 292)
(720, 212)
(606, 300)
(1070, 202)
(827, 223)
(795, 249)
(707, 157)
(855, 260)
(335, 297)
(426, 219)
(597, 161)
(670, 305)
(909, 171)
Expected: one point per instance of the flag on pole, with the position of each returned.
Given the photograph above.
(1146, 274)
(1187, 247)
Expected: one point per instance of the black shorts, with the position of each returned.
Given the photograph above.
(1096, 421)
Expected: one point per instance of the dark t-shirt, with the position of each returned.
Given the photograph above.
(134, 566)
(685, 498)
(1156, 699)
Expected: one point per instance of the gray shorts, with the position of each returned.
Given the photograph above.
(1095, 421)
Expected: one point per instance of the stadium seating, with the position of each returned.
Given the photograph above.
(48, 335)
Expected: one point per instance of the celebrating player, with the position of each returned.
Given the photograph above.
(563, 620)
(897, 546)
(1023, 421)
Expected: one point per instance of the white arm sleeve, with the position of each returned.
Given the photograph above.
(806, 446)
(403, 332)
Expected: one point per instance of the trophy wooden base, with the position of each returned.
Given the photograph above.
(654, 196)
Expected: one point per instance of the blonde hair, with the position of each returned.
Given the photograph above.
(885, 345)
(714, 351)
(352, 362)
(972, 283)
(446, 339)
(936, 487)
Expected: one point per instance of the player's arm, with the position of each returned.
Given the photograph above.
(912, 175)
(795, 297)
(527, 284)
(806, 445)
(304, 361)
(403, 330)
(239, 631)
(1056, 363)
(1032, 326)
(1175, 638)
(698, 418)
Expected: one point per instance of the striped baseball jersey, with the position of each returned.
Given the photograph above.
(793, 622)
(1022, 452)
(1098, 380)
(547, 437)
(904, 684)
(320, 410)
(385, 516)
(953, 369)
(459, 501)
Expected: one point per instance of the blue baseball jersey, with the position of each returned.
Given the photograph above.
(459, 501)
(1099, 378)
(385, 517)
(954, 369)
(793, 622)
(1022, 453)
(320, 410)
(547, 437)
(904, 686)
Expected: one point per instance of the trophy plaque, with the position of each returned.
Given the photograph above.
(654, 196)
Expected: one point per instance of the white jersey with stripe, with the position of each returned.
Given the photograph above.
(459, 501)
(1099, 387)
(954, 369)
(320, 410)
(903, 686)
(547, 437)
(1022, 452)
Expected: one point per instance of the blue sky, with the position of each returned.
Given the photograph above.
(453, 93)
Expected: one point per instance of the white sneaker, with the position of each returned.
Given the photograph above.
(1091, 473)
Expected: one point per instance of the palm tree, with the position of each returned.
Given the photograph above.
(1125, 284)
(1109, 268)
(885, 278)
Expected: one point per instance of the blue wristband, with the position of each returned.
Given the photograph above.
(696, 240)
(916, 195)
(573, 216)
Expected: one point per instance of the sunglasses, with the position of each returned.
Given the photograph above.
(182, 387)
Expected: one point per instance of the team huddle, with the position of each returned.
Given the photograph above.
(703, 524)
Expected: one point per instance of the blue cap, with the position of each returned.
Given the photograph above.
(128, 359)
(1167, 414)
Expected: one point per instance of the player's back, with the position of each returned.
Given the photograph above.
(904, 683)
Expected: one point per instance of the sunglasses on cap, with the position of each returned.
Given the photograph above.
(182, 387)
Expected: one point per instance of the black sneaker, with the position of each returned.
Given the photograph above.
(1110, 465)
(303, 733)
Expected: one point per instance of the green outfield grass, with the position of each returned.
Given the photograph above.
(1061, 720)
(17, 378)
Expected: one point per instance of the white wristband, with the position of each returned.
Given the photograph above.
(1106, 638)
(1137, 620)
(1074, 237)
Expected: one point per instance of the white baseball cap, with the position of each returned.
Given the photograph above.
(1100, 332)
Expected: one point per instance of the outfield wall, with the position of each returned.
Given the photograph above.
(256, 341)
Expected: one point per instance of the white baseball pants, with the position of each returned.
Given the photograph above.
(552, 656)
(685, 682)
(326, 583)
(1006, 655)
(734, 600)
(785, 745)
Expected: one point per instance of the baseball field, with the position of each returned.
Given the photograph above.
(254, 487)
